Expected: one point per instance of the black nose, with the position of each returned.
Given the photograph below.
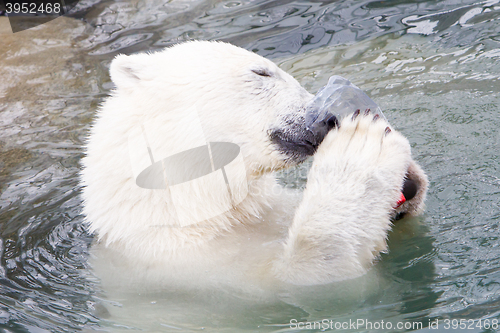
(409, 188)
(320, 128)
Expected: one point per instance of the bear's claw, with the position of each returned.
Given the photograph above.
(355, 114)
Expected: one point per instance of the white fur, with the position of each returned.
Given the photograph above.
(339, 227)
(342, 222)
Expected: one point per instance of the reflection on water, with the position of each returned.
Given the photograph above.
(430, 63)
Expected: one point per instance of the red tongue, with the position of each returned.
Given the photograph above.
(401, 201)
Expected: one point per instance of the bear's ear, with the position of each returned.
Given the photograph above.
(127, 71)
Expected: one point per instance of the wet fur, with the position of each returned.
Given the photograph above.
(339, 227)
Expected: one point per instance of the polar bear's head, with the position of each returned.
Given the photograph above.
(217, 92)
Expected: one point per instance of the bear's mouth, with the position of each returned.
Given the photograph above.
(297, 148)
(296, 140)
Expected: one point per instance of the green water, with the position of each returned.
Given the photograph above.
(431, 65)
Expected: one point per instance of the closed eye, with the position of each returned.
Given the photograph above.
(262, 72)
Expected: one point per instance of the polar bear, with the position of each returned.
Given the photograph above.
(233, 220)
